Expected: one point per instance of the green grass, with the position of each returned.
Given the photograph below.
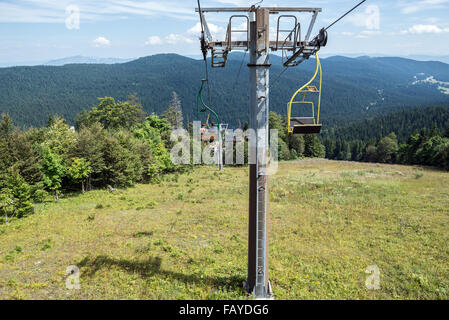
(186, 238)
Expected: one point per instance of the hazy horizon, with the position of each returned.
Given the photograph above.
(113, 60)
(34, 32)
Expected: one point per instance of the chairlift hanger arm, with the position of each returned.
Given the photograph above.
(289, 106)
(206, 107)
(206, 28)
(312, 23)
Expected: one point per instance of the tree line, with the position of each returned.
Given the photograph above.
(422, 147)
(292, 147)
(416, 137)
(114, 144)
(426, 147)
(403, 123)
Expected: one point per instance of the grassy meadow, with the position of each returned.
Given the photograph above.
(186, 237)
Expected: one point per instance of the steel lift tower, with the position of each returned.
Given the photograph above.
(294, 51)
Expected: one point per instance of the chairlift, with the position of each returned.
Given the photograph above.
(306, 125)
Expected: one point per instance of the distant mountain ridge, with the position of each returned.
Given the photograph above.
(68, 60)
(353, 88)
(417, 57)
(98, 60)
(86, 60)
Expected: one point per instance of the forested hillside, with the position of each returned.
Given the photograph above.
(352, 89)
(418, 136)
(402, 123)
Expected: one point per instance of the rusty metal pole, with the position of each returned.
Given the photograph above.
(259, 65)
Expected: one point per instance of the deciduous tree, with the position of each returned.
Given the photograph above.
(79, 171)
(53, 170)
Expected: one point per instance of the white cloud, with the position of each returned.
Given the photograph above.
(172, 39)
(101, 42)
(371, 32)
(240, 3)
(52, 11)
(177, 39)
(412, 7)
(216, 31)
(190, 36)
(219, 33)
(432, 20)
(155, 6)
(425, 28)
(368, 33)
(16, 13)
(153, 41)
(369, 19)
(196, 29)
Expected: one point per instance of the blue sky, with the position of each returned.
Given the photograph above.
(41, 30)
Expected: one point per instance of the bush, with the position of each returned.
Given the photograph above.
(293, 154)
(152, 204)
(419, 175)
(443, 157)
(40, 195)
(284, 152)
(152, 131)
(123, 163)
(16, 196)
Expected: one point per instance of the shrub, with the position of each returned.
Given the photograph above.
(16, 196)
(419, 175)
(40, 195)
(152, 204)
(46, 245)
(293, 154)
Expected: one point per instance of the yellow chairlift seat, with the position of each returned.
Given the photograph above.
(306, 125)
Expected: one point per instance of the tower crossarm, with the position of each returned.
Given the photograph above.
(294, 49)
(272, 10)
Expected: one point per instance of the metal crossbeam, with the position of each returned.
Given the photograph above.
(301, 48)
(244, 44)
(272, 10)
